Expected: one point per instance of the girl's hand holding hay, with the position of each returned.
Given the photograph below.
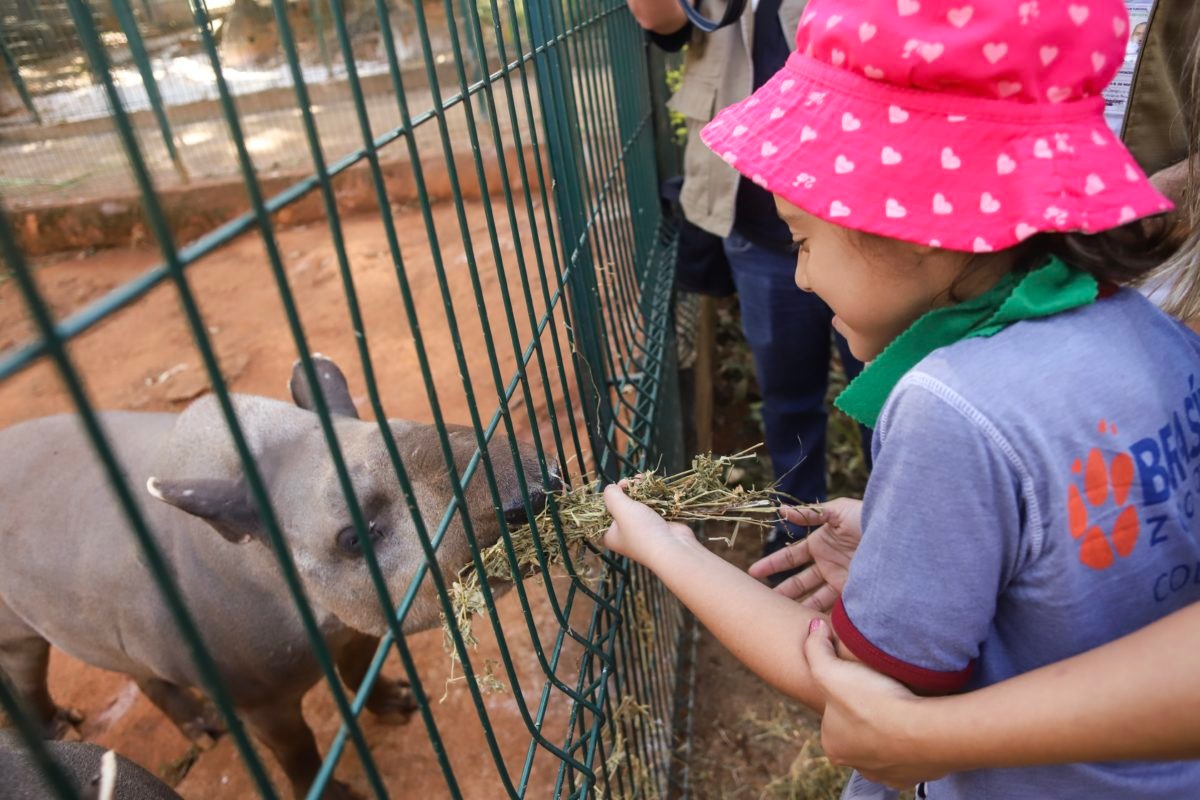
(765, 630)
(643, 531)
(578, 515)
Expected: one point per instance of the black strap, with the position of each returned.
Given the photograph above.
(733, 12)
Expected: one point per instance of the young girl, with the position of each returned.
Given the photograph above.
(959, 202)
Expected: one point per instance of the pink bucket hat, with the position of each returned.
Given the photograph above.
(965, 124)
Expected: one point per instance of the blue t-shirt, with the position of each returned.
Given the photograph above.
(1034, 496)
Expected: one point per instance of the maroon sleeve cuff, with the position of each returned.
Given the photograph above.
(921, 680)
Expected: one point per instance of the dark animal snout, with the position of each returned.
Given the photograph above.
(514, 509)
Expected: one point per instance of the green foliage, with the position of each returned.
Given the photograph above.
(674, 77)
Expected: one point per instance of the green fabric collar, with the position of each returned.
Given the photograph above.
(1049, 289)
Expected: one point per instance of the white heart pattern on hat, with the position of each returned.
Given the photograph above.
(1024, 231)
(988, 204)
(769, 149)
(941, 205)
(807, 134)
(890, 157)
(897, 115)
(1041, 149)
(1004, 164)
(931, 51)
(981, 246)
(1078, 14)
(1057, 94)
(1047, 54)
(949, 160)
(894, 210)
(907, 7)
(1094, 184)
(994, 51)
(1008, 88)
(850, 122)
(838, 209)
(843, 165)
(866, 32)
(874, 73)
(776, 113)
(960, 16)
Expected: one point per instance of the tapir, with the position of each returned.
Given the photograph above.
(72, 574)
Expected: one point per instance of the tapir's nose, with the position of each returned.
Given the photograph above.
(514, 509)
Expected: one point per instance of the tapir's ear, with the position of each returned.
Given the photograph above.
(224, 504)
(332, 384)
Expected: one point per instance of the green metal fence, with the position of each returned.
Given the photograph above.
(569, 262)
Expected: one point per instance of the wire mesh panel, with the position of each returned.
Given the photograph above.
(501, 309)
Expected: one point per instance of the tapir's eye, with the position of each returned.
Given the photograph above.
(348, 542)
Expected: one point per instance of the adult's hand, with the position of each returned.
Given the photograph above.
(826, 552)
(869, 718)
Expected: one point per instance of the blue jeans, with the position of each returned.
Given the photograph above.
(789, 334)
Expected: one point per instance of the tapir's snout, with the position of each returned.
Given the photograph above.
(514, 507)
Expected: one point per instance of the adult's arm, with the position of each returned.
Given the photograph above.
(1136, 698)
(658, 16)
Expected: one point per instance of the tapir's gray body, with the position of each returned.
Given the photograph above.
(73, 574)
(73, 570)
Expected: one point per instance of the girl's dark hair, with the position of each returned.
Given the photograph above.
(1121, 255)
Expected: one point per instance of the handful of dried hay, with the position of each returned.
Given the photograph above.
(700, 493)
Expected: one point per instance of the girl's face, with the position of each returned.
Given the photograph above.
(876, 287)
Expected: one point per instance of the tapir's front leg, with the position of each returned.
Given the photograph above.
(390, 699)
(196, 719)
(25, 659)
(281, 727)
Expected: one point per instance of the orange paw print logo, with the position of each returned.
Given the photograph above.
(1101, 480)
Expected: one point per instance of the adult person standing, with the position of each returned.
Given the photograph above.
(789, 331)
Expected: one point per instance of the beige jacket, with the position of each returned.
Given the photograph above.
(717, 72)
(1154, 125)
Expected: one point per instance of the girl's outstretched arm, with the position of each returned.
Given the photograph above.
(763, 628)
(1132, 699)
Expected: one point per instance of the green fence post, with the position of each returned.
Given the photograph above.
(137, 49)
(14, 72)
(558, 115)
(316, 10)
